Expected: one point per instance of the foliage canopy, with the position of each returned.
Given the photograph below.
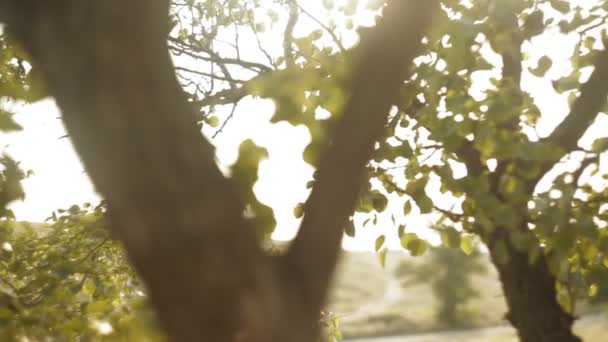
(461, 143)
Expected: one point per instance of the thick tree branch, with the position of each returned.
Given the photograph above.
(511, 73)
(471, 158)
(181, 221)
(584, 111)
(9, 10)
(384, 57)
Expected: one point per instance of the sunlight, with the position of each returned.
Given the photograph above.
(461, 148)
(60, 181)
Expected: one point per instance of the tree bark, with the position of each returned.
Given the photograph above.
(531, 296)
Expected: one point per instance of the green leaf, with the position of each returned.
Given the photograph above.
(600, 144)
(416, 189)
(407, 237)
(450, 237)
(466, 244)
(560, 5)
(350, 230)
(298, 211)
(413, 244)
(213, 121)
(382, 257)
(380, 242)
(89, 287)
(310, 184)
(510, 185)
(400, 230)
(605, 261)
(544, 64)
(7, 123)
(417, 247)
(100, 306)
(379, 201)
(183, 33)
(534, 25)
(566, 83)
(425, 204)
(407, 208)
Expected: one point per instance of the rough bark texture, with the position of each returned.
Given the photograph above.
(531, 296)
(181, 221)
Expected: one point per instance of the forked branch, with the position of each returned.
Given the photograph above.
(384, 58)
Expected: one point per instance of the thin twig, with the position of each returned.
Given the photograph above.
(230, 116)
(333, 35)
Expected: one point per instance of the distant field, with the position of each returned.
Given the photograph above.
(371, 302)
(591, 329)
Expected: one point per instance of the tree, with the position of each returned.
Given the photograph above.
(538, 238)
(490, 134)
(441, 121)
(180, 220)
(69, 281)
(530, 247)
(450, 272)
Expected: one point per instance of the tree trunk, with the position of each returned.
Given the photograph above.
(181, 221)
(531, 296)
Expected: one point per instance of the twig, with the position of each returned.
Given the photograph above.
(230, 116)
(333, 35)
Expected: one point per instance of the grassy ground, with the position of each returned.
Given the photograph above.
(371, 302)
(590, 328)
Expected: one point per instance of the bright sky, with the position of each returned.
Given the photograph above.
(59, 179)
